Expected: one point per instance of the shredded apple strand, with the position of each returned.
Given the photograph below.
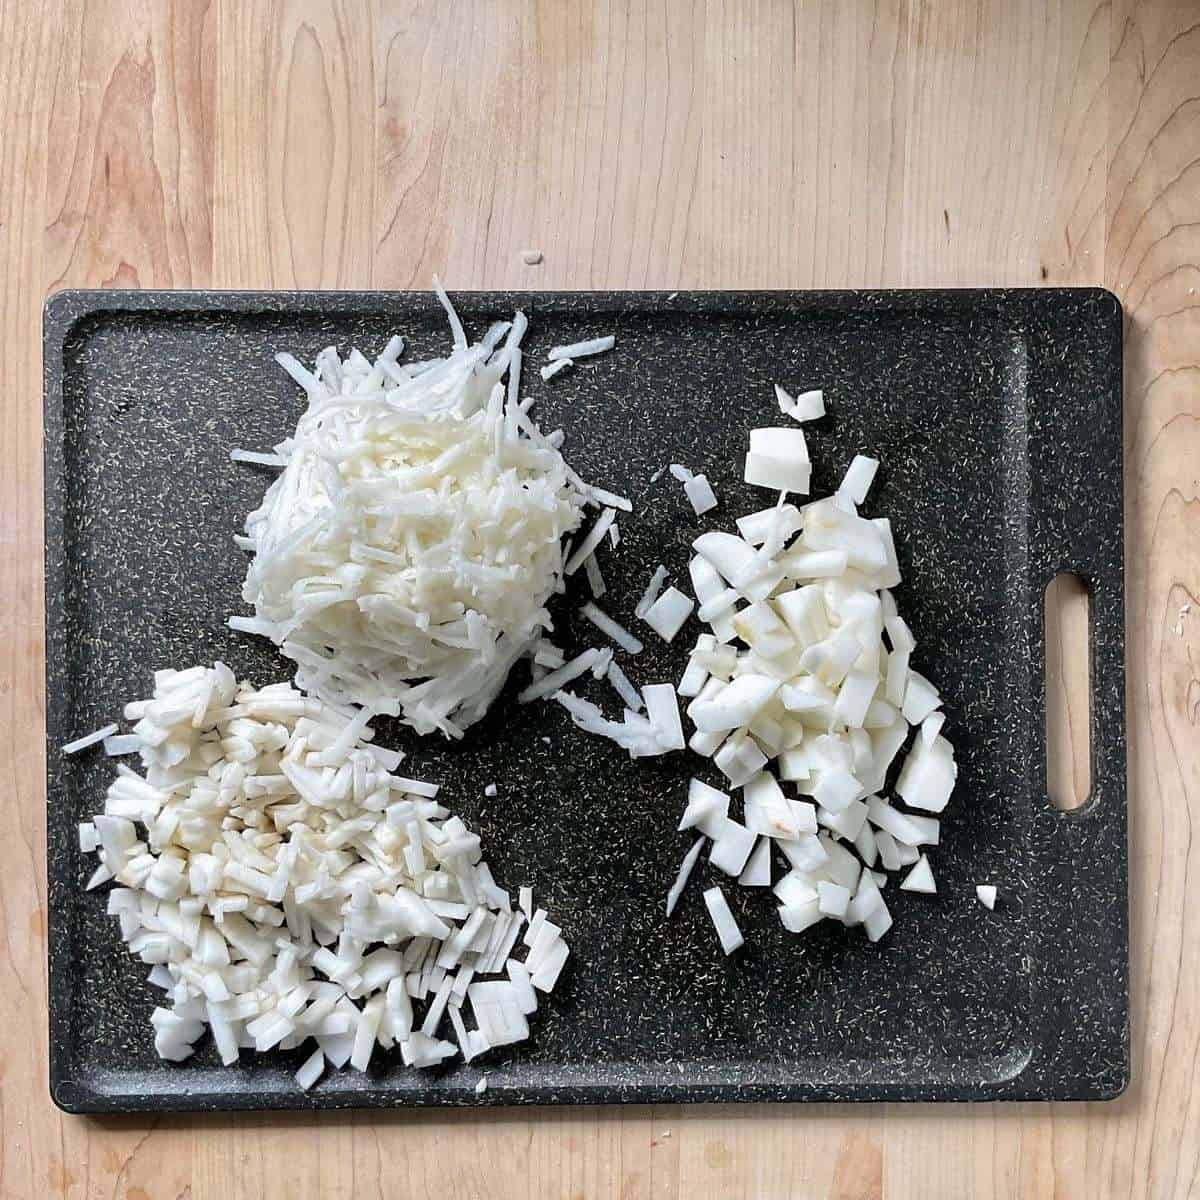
(404, 557)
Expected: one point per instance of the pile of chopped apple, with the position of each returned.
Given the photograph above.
(803, 695)
(285, 886)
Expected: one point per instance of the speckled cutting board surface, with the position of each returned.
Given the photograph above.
(997, 417)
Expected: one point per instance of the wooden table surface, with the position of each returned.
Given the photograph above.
(242, 143)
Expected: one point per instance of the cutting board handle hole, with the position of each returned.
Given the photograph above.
(1067, 665)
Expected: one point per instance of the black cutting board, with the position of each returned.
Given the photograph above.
(997, 417)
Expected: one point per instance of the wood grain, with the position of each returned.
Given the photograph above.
(31, 1131)
(1066, 606)
(294, 145)
(279, 143)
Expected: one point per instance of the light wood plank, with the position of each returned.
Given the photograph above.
(32, 1155)
(1153, 217)
(295, 145)
(129, 184)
